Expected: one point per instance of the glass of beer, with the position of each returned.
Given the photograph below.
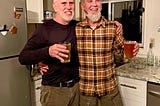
(128, 49)
(68, 45)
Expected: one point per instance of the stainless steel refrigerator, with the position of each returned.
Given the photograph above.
(14, 78)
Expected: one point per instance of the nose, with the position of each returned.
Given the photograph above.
(69, 5)
(94, 3)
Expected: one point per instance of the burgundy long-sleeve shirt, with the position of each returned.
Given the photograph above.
(36, 50)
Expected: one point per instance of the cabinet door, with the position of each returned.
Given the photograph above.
(34, 11)
(133, 102)
(37, 92)
(36, 85)
(133, 91)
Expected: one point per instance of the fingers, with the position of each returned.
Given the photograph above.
(61, 56)
(136, 49)
(43, 68)
(42, 65)
(119, 30)
(42, 71)
(58, 51)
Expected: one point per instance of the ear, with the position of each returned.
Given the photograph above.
(82, 6)
(54, 7)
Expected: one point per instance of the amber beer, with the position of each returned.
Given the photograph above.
(68, 45)
(128, 49)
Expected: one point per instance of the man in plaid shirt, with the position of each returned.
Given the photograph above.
(97, 43)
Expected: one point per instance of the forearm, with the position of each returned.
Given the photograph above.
(118, 46)
(28, 56)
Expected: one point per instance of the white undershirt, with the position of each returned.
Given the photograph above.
(93, 27)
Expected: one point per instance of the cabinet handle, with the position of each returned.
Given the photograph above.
(38, 88)
(154, 93)
(128, 86)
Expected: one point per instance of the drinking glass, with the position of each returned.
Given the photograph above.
(128, 49)
(68, 45)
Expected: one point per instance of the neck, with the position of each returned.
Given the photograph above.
(60, 20)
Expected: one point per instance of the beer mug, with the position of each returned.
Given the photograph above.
(128, 49)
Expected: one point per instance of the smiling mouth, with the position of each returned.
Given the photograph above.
(68, 12)
(94, 10)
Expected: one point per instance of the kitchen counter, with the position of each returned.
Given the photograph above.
(137, 69)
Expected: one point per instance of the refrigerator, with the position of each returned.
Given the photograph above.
(14, 78)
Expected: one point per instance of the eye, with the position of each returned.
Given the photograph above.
(64, 3)
(98, 0)
(71, 2)
(89, 1)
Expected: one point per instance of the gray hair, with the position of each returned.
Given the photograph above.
(81, 1)
(54, 1)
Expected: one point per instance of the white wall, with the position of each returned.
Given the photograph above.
(151, 24)
(76, 16)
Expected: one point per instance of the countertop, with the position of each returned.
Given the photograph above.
(138, 69)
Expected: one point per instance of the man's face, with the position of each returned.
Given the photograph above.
(92, 8)
(64, 9)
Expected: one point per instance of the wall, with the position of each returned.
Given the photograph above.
(47, 5)
(77, 11)
(151, 24)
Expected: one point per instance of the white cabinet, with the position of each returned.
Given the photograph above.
(133, 91)
(34, 11)
(36, 92)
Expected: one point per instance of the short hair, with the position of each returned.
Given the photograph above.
(81, 1)
(54, 1)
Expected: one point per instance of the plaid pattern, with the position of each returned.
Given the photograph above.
(96, 50)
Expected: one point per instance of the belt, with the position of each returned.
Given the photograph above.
(69, 83)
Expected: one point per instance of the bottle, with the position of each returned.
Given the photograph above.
(150, 55)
